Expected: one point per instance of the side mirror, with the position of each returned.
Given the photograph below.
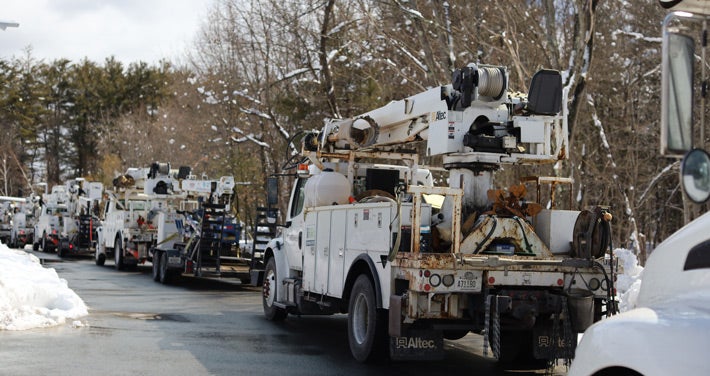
(677, 94)
(695, 175)
(272, 191)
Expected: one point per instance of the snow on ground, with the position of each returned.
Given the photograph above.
(628, 283)
(33, 296)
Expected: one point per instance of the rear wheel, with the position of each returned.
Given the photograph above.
(269, 287)
(61, 249)
(44, 242)
(366, 325)
(516, 348)
(453, 335)
(118, 254)
(156, 266)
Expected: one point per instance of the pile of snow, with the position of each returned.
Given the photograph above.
(628, 283)
(32, 296)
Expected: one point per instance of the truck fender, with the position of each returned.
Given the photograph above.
(363, 264)
(274, 248)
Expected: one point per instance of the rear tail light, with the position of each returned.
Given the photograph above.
(448, 280)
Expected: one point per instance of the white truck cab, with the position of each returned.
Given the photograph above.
(666, 333)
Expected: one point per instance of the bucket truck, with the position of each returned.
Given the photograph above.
(367, 234)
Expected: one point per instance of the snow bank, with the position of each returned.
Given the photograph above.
(628, 284)
(32, 296)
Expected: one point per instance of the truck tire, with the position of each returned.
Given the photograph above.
(516, 348)
(99, 255)
(156, 266)
(118, 254)
(366, 325)
(165, 275)
(269, 287)
(453, 335)
(44, 242)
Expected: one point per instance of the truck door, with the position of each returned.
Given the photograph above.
(293, 235)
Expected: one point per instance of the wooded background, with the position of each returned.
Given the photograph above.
(262, 70)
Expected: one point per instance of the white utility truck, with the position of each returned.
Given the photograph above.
(128, 230)
(365, 235)
(6, 209)
(23, 220)
(81, 220)
(666, 333)
(52, 220)
(13, 230)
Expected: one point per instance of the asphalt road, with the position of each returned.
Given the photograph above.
(195, 327)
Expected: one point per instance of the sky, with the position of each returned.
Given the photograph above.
(130, 30)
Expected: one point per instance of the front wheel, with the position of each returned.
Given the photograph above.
(100, 255)
(366, 325)
(118, 254)
(271, 311)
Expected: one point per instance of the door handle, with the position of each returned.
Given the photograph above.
(300, 239)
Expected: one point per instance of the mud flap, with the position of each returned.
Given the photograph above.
(549, 346)
(174, 259)
(418, 344)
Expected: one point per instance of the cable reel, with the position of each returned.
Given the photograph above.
(591, 234)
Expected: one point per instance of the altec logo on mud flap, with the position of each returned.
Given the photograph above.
(415, 343)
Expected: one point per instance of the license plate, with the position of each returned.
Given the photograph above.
(467, 284)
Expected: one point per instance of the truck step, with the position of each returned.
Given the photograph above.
(283, 305)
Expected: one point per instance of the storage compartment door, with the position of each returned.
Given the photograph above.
(337, 252)
(322, 255)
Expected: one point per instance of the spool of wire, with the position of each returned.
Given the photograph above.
(491, 82)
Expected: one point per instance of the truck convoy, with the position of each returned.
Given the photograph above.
(666, 332)
(366, 233)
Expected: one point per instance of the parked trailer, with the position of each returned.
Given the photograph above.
(204, 242)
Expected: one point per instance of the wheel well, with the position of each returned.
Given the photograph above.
(268, 253)
(617, 371)
(361, 266)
